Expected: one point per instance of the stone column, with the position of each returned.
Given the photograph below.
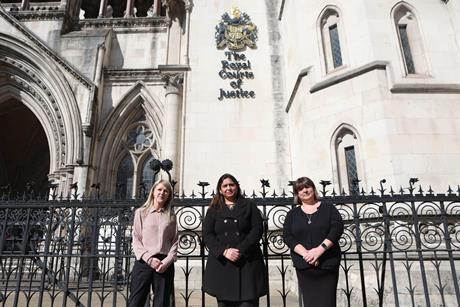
(24, 5)
(102, 9)
(171, 128)
(156, 7)
(188, 9)
(129, 8)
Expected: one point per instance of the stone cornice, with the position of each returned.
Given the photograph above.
(176, 68)
(130, 24)
(46, 50)
(425, 88)
(119, 75)
(304, 72)
(376, 65)
(45, 13)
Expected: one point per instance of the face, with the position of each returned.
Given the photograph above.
(306, 195)
(228, 189)
(161, 195)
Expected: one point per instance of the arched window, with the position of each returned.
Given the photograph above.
(125, 177)
(331, 38)
(347, 160)
(147, 177)
(410, 40)
(134, 176)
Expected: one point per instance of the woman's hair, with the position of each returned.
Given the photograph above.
(218, 199)
(150, 200)
(299, 184)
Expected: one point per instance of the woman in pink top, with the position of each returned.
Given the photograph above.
(155, 241)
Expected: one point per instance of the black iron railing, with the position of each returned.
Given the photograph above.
(399, 249)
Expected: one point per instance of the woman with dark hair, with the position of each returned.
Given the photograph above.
(235, 272)
(155, 240)
(312, 231)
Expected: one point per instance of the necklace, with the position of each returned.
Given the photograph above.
(309, 218)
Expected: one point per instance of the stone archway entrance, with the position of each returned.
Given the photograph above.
(24, 150)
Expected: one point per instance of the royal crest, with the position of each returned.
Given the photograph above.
(236, 31)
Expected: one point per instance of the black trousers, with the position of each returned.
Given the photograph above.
(144, 277)
(318, 287)
(254, 303)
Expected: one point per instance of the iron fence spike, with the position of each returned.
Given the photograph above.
(420, 190)
(391, 191)
(284, 195)
(430, 191)
(372, 191)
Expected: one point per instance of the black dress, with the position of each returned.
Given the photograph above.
(241, 228)
(317, 284)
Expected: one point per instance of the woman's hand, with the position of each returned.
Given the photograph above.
(313, 254)
(154, 263)
(232, 254)
(161, 268)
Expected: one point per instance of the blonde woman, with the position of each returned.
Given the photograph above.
(155, 240)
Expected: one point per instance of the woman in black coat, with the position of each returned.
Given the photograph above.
(312, 231)
(235, 272)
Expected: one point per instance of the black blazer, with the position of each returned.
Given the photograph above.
(326, 223)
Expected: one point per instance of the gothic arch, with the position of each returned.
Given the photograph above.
(135, 104)
(33, 79)
(409, 39)
(330, 16)
(346, 133)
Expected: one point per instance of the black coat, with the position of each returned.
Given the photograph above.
(239, 228)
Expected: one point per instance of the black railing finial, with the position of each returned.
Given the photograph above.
(97, 187)
(265, 184)
(166, 165)
(74, 190)
(291, 184)
(412, 181)
(382, 189)
(324, 183)
(203, 185)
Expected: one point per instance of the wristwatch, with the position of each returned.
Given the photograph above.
(323, 245)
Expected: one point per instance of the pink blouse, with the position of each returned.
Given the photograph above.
(155, 232)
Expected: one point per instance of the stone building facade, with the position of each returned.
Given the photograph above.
(92, 91)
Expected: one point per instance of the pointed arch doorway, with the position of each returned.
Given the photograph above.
(24, 150)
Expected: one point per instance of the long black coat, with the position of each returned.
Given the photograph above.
(239, 228)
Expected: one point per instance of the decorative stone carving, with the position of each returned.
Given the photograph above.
(188, 5)
(140, 22)
(132, 75)
(175, 8)
(47, 50)
(26, 80)
(173, 80)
